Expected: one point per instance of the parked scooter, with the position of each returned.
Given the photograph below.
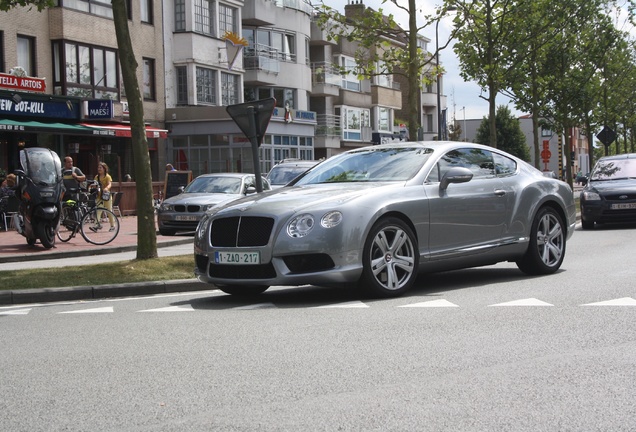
(39, 186)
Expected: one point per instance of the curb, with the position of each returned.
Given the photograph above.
(49, 295)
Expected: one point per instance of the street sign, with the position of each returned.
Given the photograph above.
(256, 113)
(606, 136)
(252, 118)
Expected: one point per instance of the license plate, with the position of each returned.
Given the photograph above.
(243, 257)
(623, 206)
(186, 218)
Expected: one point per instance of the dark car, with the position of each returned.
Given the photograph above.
(287, 170)
(610, 193)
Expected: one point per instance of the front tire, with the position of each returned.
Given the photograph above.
(46, 233)
(243, 290)
(546, 249)
(390, 259)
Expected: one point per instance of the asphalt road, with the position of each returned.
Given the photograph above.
(475, 350)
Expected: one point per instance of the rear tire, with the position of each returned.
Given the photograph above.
(390, 259)
(68, 224)
(243, 290)
(546, 248)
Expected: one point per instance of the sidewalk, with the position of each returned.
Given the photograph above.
(14, 249)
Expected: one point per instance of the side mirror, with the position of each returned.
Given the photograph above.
(455, 175)
(181, 189)
(250, 190)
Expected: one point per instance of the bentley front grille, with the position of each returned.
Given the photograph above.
(241, 231)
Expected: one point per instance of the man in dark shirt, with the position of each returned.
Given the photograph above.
(72, 176)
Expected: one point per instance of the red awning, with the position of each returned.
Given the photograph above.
(123, 130)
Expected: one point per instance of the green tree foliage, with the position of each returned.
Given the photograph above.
(510, 137)
(384, 48)
(6, 5)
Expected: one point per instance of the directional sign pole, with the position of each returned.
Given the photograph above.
(251, 115)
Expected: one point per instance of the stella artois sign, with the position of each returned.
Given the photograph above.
(20, 82)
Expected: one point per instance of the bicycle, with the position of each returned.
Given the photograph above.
(86, 217)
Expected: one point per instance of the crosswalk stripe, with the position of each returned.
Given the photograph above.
(432, 303)
(16, 312)
(186, 308)
(524, 302)
(625, 301)
(351, 304)
(108, 309)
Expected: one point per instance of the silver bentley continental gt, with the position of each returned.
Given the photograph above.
(377, 216)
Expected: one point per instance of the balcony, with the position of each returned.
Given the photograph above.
(387, 96)
(325, 79)
(262, 65)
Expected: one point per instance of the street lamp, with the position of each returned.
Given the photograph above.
(439, 74)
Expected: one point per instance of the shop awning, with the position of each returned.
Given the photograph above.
(36, 126)
(123, 130)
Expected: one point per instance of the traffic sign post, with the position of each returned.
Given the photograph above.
(253, 118)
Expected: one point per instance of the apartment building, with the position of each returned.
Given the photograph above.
(352, 112)
(201, 81)
(61, 86)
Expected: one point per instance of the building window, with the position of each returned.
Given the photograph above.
(26, 54)
(2, 65)
(546, 132)
(353, 120)
(149, 79)
(384, 119)
(350, 79)
(95, 7)
(206, 88)
(182, 85)
(146, 11)
(204, 17)
(229, 89)
(282, 95)
(227, 19)
(179, 15)
(85, 71)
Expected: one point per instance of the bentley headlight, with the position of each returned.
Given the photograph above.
(331, 219)
(202, 228)
(591, 196)
(300, 226)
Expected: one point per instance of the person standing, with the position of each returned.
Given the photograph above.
(169, 167)
(72, 177)
(104, 200)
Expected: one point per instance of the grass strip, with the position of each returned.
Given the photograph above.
(157, 269)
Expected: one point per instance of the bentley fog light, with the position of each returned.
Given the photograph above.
(300, 226)
(331, 219)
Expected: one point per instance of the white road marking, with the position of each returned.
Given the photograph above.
(15, 312)
(432, 303)
(107, 309)
(625, 301)
(351, 304)
(185, 308)
(257, 306)
(524, 302)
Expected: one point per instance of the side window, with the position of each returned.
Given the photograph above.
(504, 166)
(479, 161)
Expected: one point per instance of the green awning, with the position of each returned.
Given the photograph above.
(7, 125)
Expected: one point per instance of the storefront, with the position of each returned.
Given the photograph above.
(84, 130)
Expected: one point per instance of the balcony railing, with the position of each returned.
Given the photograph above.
(325, 73)
(263, 57)
(328, 125)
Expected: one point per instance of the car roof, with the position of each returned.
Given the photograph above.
(297, 162)
(620, 156)
(232, 174)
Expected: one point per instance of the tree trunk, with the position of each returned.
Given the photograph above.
(146, 231)
(414, 72)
